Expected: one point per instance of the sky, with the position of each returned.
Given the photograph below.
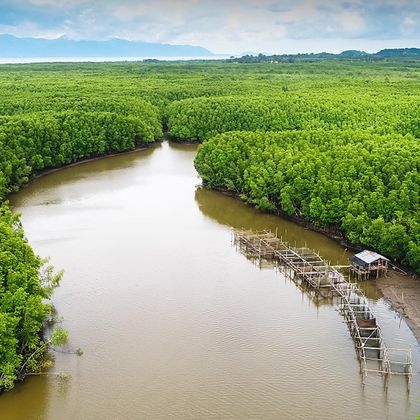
(223, 26)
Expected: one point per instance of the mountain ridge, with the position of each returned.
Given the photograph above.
(14, 47)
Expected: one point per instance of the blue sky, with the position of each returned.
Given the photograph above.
(224, 26)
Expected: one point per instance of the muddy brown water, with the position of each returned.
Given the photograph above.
(173, 321)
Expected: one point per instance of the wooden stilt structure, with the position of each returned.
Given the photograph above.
(367, 263)
(308, 266)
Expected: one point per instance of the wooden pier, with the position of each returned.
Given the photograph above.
(309, 267)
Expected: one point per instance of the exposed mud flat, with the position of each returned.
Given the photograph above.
(403, 292)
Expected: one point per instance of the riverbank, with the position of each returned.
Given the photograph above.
(91, 159)
(332, 232)
(402, 291)
(27, 359)
(212, 328)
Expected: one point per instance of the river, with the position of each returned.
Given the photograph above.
(173, 321)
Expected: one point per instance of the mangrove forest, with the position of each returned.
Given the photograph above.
(334, 144)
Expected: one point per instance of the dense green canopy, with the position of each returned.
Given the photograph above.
(36, 141)
(202, 118)
(346, 154)
(36, 135)
(366, 184)
(22, 311)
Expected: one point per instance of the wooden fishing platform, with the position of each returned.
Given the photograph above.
(309, 267)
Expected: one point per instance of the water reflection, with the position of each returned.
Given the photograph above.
(174, 323)
(59, 186)
(232, 212)
(36, 403)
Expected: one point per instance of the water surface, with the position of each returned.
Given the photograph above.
(174, 323)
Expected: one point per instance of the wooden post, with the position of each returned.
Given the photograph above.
(304, 268)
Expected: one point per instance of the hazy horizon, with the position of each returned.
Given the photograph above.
(228, 27)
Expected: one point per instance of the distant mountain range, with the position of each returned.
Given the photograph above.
(13, 47)
(391, 54)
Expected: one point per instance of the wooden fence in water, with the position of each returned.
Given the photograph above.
(326, 280)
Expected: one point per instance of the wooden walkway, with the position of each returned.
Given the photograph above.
(319, 275)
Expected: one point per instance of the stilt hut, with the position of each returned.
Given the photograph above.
(366, 263)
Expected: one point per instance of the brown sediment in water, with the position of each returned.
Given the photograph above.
(90, 159)
(332, 232)
(198, 331)
(403, 292)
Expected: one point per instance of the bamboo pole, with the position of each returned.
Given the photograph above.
(307, 267)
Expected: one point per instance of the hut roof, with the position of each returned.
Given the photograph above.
(369, 256)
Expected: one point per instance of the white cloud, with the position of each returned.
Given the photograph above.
(31, 30)
(228, 26)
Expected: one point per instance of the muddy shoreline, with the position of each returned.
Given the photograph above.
(401, 291)
(403, 294)
(90, 159)
(49, 171)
